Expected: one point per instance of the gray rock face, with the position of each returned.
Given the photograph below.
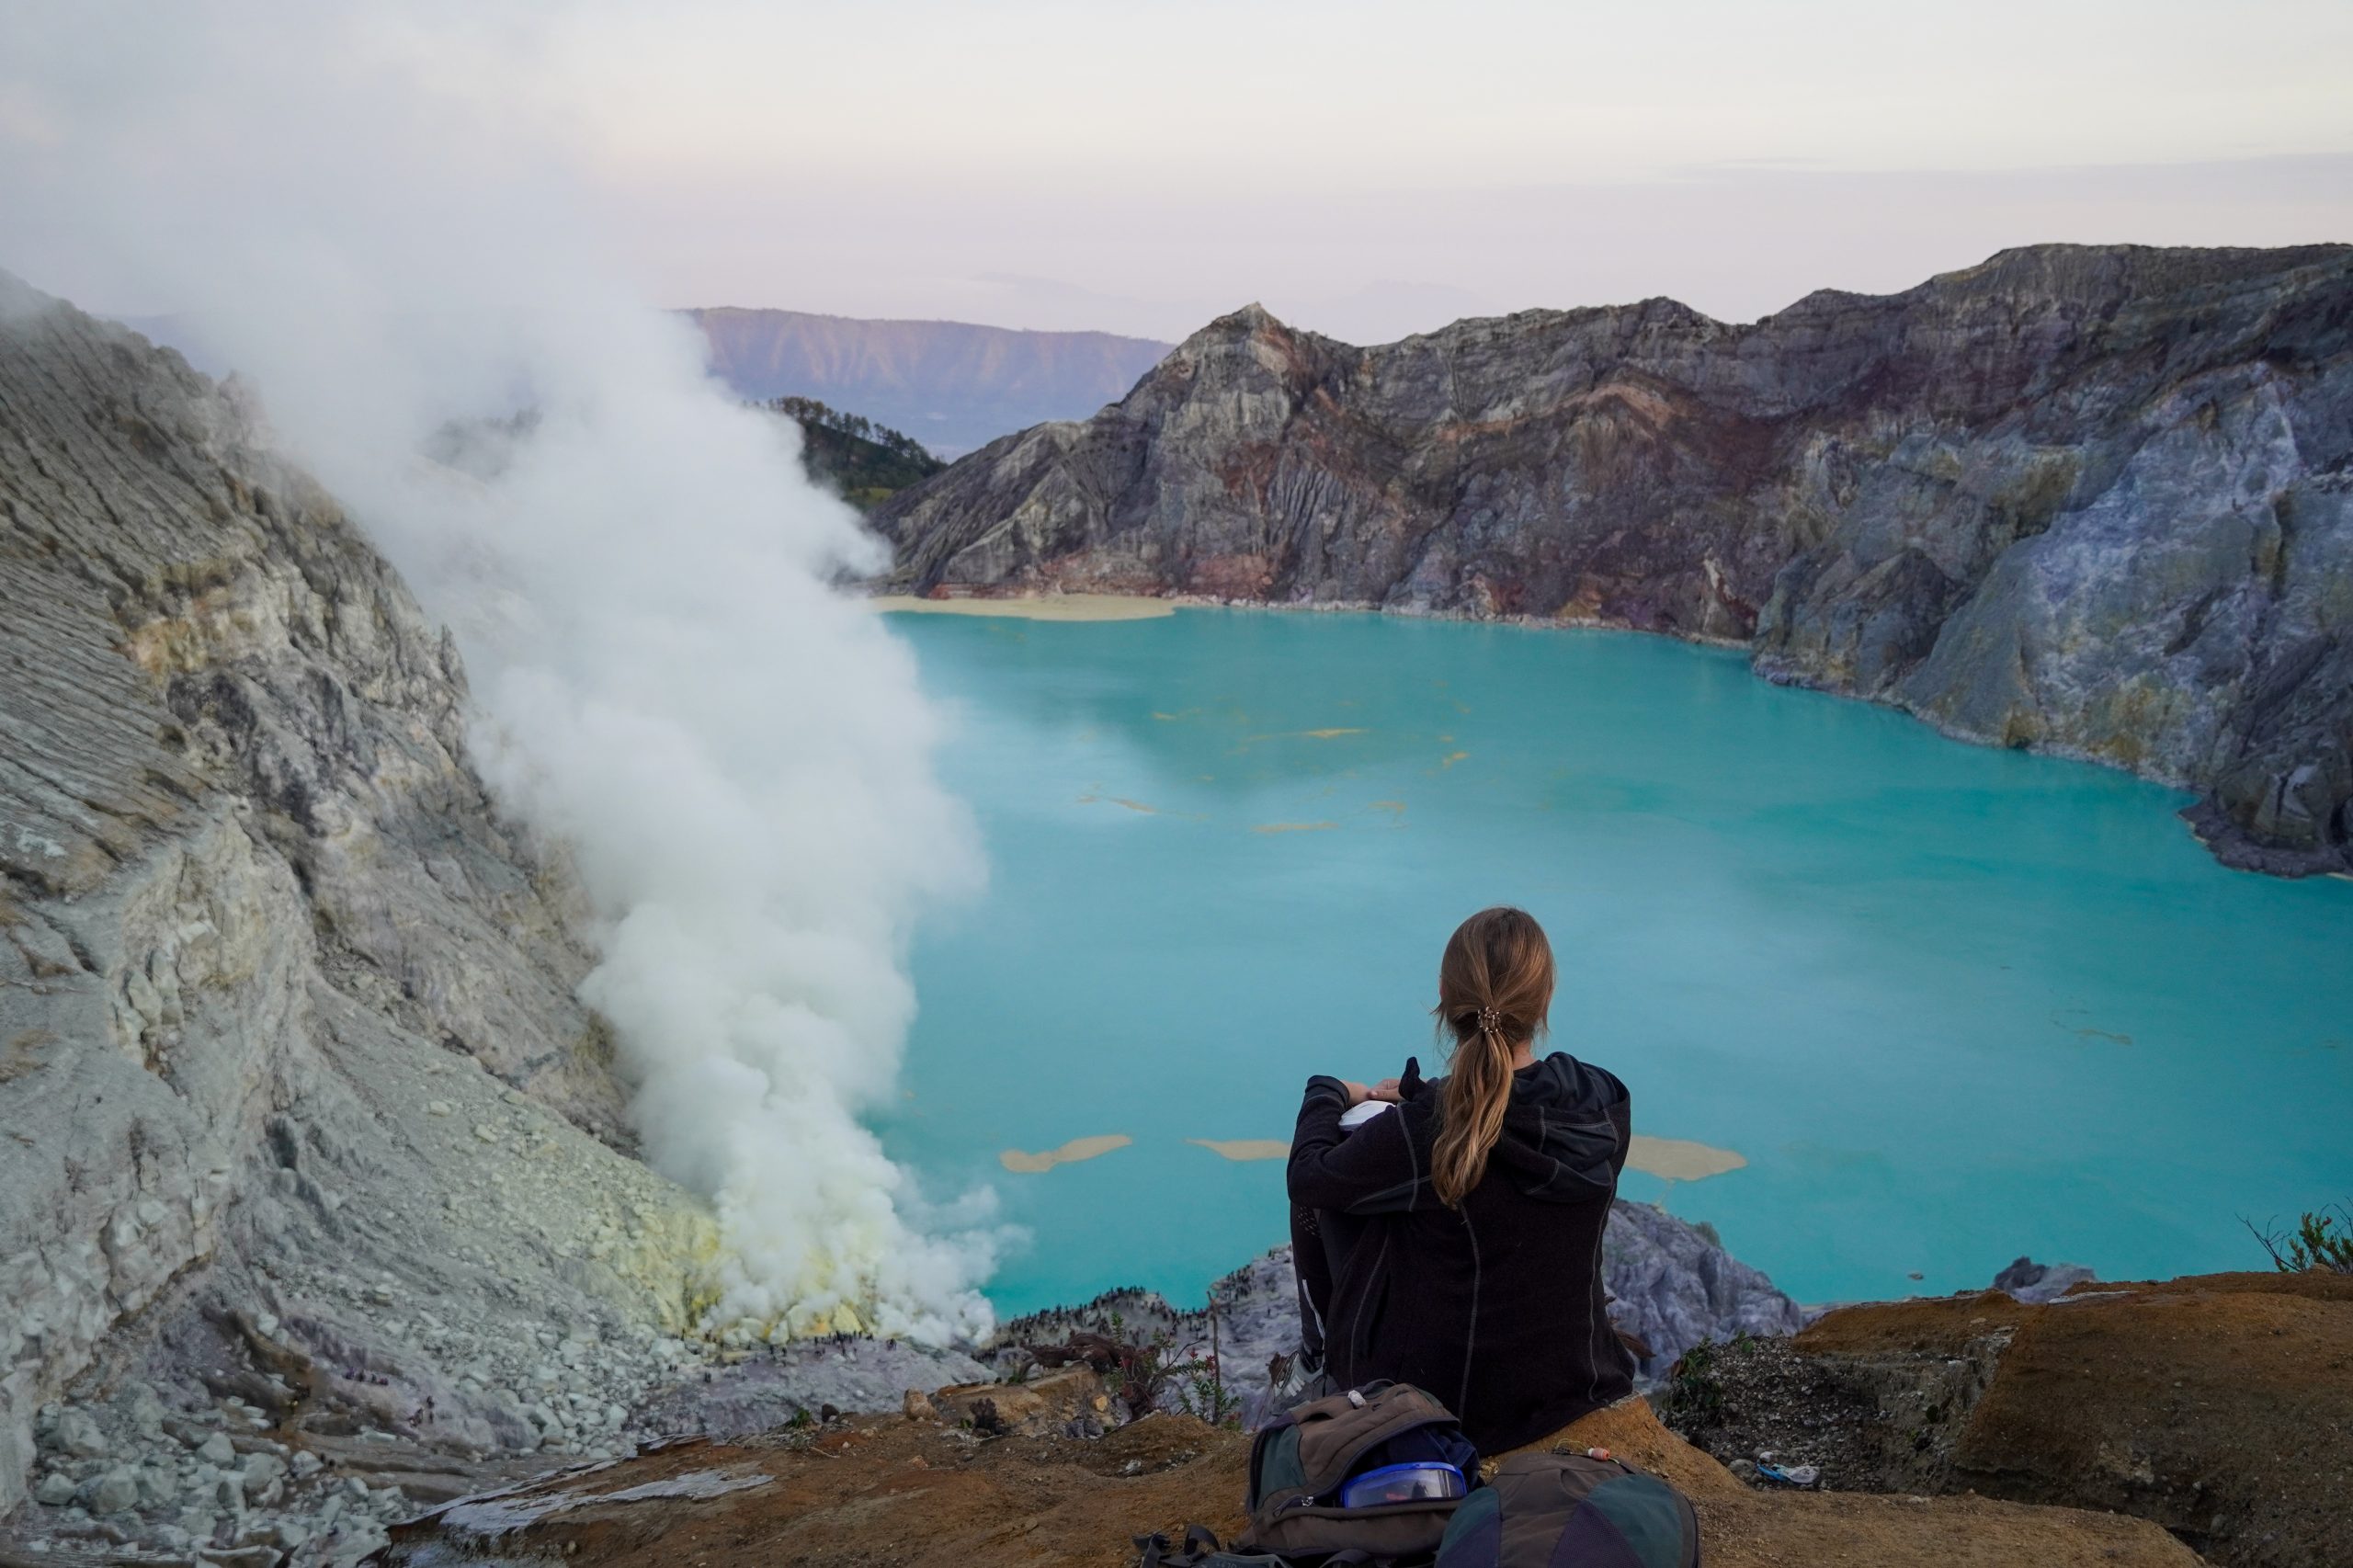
(1672, 1287)
(2095, 500)
(254, 908)
(1669, 1285)
(768, 1391)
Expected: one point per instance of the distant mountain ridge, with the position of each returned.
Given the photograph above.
(954, 386)
(951, 385)
(2090, 499)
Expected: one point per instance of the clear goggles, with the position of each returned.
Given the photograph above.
(1422, 1480)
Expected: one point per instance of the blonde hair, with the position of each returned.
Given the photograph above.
(1494, 992)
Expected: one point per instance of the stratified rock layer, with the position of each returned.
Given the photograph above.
(291, 1074)
(2091, 500)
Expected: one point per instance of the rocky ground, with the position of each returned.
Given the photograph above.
(930, 1488)
(288, 1445)
(2219, 1406)
(2089, 499)
(2138, 1424)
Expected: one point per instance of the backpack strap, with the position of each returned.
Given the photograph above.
(1201, 1545)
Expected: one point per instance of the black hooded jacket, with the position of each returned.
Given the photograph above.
(1496, 1307)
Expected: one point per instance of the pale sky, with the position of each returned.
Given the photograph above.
(1370, 169)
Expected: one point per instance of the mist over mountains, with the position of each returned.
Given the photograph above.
(951, 385)
(954, 386)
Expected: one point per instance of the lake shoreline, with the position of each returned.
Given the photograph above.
(2229, 845)
(986, 604)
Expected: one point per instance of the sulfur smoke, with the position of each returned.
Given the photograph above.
(638, 573)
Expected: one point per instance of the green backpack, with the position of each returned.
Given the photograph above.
(1572, 1511)
(1302, 1461)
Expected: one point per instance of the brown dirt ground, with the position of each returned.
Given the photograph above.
(2219, 1405)
(897, 1494)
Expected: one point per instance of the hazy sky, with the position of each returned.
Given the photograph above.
(1365, 169)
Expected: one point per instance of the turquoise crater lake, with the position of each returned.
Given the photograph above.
(1949, 1004)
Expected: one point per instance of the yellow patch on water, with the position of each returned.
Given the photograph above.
(1045, 607)
(1119, 800)
(1331, 733)
(1397, 806)
(1450, 758)
(1293, 826)
(1246, 1148)
(2104, 1034)
(1679, 1159)
(1077, 1149)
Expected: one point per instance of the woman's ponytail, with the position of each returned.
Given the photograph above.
(1494, 992)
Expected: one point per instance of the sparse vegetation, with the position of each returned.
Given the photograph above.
(1141, 1368)
(1142, 1371)
(1695, 1395)
(1201, 1390)
(2320, 1241)
(866, 461)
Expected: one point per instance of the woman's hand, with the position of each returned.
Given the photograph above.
(1358, 1092)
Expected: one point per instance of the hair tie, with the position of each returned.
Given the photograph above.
(1490, 1021)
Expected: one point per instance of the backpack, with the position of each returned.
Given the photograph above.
(1572, 1511)
(1300, 1461)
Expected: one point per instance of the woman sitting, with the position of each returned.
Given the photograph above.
(1454, 1242)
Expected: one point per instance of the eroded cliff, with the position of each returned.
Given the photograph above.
(2094, 500)
(295, 1096)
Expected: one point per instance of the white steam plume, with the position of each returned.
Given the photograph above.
(740, 756)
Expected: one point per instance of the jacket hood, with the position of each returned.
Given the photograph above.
(1560, 1131)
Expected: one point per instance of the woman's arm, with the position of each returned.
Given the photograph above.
(1370, 1171)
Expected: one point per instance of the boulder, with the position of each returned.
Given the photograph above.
(76, 1432)
(114, 1492)
(2027, 1280)
(1047, 1404)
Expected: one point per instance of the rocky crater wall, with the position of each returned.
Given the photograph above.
(2091, 500)
(287, 1023)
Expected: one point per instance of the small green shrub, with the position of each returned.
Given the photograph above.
(2320, 1241)
(1201, 1392)
(1695, 1394)
(1143, 1367)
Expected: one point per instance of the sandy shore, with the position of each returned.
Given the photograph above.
(1045, 607)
